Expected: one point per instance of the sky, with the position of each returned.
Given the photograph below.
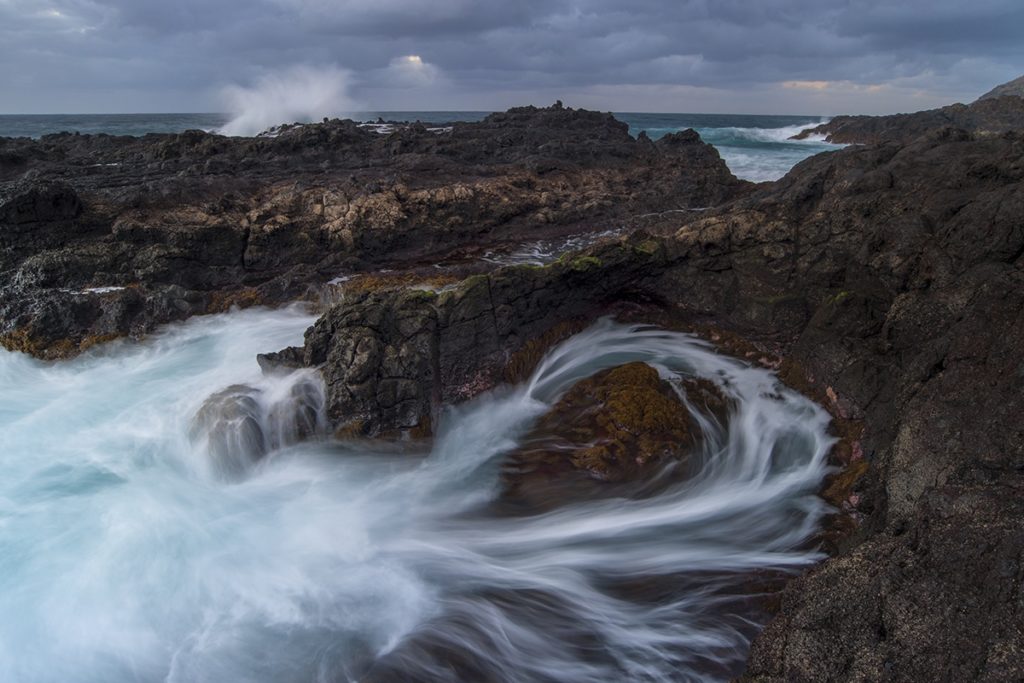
(713, 56)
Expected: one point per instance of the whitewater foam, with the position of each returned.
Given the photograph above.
(300, 94)
(126, 559)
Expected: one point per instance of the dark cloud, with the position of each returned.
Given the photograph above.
(820, 56)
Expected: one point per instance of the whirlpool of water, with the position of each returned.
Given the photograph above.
(126, 556)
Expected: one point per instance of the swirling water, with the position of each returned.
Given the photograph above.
(125, 557)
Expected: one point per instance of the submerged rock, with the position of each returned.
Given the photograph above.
(230, 425)
(616, 433)
(241, 424)
(613, 426)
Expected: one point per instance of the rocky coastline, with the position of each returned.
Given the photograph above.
(106, 237)
(884, 280)
(992, 114)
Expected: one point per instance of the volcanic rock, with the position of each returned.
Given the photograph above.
(1014, 88)
(168, 226)
(987, 116)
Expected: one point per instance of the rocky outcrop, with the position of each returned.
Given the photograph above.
(392, 358)
(37, 202)
(987, 116)
(106, 236)
(1013, 88)
(887, 282)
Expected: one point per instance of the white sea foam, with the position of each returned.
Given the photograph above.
(541, 252)
(299, 94)
(763, 154)
(783, 134)
(125, 559)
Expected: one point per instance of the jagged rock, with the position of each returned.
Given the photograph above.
(285, 360)
(986, 116)
(1014, 88)
(390, 359)
(379, 360)
(243, 221)
(38, 202)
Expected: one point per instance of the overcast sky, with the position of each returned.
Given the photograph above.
(740, 56)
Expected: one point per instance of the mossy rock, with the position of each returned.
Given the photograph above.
(524, 361)
(222, 302)
(22, 341)
(582, 263)
(615, 426)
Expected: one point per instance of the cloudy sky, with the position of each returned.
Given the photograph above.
(741, 56)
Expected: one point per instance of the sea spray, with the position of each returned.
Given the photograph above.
(125, 558)
(300, 94)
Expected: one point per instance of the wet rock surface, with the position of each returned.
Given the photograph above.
(623, 432)
(239, 425)
(612, 426)
(106, 236)
(392, 358)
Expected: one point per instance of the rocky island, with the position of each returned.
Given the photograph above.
(885, 281)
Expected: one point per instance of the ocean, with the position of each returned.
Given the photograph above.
(756, 147)
(132, 552)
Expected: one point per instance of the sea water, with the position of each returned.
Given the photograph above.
(126, 556)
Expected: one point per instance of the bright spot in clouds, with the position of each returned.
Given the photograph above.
(410, 71)
(806, 85)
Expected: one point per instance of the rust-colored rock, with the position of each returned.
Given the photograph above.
(615, 426)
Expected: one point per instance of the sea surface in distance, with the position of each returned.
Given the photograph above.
(756, 147)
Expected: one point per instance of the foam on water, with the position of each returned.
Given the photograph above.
(125, 558)
(762, 154)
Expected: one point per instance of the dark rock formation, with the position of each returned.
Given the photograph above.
(624, 432)
(987, 116)
(229, 425)
(392, 358)
(104, 236)
(1014, 88)
(886, 281)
